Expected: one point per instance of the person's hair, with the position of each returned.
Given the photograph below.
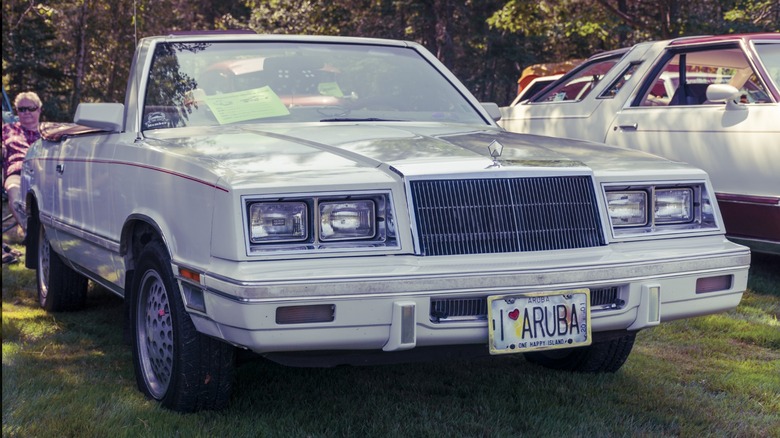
(29, 95)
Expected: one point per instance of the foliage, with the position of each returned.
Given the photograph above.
(30, 58)
(80, 50)
(577, 27)
(72, 51)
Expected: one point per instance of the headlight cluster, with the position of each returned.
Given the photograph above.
(329, 221)
(642, 209)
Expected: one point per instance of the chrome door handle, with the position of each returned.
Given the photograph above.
(631, 127)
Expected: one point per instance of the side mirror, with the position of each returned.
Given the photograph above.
(492, 110)
(721, 92)
(105, 116)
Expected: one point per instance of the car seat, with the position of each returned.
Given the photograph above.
(690, 94)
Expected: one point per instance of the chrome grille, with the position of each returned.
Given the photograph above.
(458, 308)
(605, 296)
(475, 308)
(479, 216)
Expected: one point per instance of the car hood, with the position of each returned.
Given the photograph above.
(245, 154)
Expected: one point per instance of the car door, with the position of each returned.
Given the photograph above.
(40, 176)
(83, 201)
(736, 144)
(583, 102)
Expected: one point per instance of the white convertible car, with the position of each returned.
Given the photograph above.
(323, 200)
(713, 102)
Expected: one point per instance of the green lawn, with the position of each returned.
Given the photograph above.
(70, 375)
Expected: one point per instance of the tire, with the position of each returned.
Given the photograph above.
(60, 288)
(600, 357)
(176, 365)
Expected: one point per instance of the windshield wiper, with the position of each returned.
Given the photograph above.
(358, 119)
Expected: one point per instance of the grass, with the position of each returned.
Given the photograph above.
(70, 375)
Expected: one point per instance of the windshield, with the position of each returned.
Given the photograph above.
(770, 57)
(203, 84)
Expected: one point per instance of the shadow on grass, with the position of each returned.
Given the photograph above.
(764, 277)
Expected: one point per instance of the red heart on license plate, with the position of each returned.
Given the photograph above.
(514, 314)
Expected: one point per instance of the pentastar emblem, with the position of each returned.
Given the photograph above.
(495, 148)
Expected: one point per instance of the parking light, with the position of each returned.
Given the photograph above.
(714, 284)
(306, 314)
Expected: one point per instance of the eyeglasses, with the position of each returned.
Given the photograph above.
(27, 109)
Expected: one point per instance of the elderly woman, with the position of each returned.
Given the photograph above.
(17, 138)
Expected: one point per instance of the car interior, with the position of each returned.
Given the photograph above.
(684, 79)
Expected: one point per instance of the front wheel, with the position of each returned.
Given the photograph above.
(176, 365)
(60, 288)
(600, 357)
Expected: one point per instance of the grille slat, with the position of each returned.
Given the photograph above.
(475, 308)
(480, 216)
(604, 296)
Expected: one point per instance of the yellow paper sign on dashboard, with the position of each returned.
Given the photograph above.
(240, 106)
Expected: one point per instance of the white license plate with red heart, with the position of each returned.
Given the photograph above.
(539, 321)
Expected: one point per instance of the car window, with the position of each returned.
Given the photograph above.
(535, 86)
(770, 58)
(195, 84)
(621, 80)
(578, 84)
(685, 76)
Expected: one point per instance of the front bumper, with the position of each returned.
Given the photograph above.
(384, 303)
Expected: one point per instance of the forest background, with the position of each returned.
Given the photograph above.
(80, 51)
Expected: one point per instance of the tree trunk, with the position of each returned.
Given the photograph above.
(81, 48)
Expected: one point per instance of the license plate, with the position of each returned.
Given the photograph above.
(539, 321)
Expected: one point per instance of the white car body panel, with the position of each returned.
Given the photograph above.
(708, 140)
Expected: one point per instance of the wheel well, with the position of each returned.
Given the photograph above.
(136, 234)
(31, 205)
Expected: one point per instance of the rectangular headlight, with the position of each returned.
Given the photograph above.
(673, 206)
(343, 220)
(627, 209)
(648, 210)
(333, 222)
(278, 222)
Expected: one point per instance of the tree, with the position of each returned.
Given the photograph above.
(72, 51)
(30, 52)
(609, 24)
(80, 50)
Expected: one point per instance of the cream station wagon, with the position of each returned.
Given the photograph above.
(326, 200)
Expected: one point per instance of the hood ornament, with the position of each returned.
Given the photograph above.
(495, 148)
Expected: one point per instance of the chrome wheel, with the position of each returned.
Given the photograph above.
(155, 334)
(60, 288)
(44, 267)
(174, 364)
